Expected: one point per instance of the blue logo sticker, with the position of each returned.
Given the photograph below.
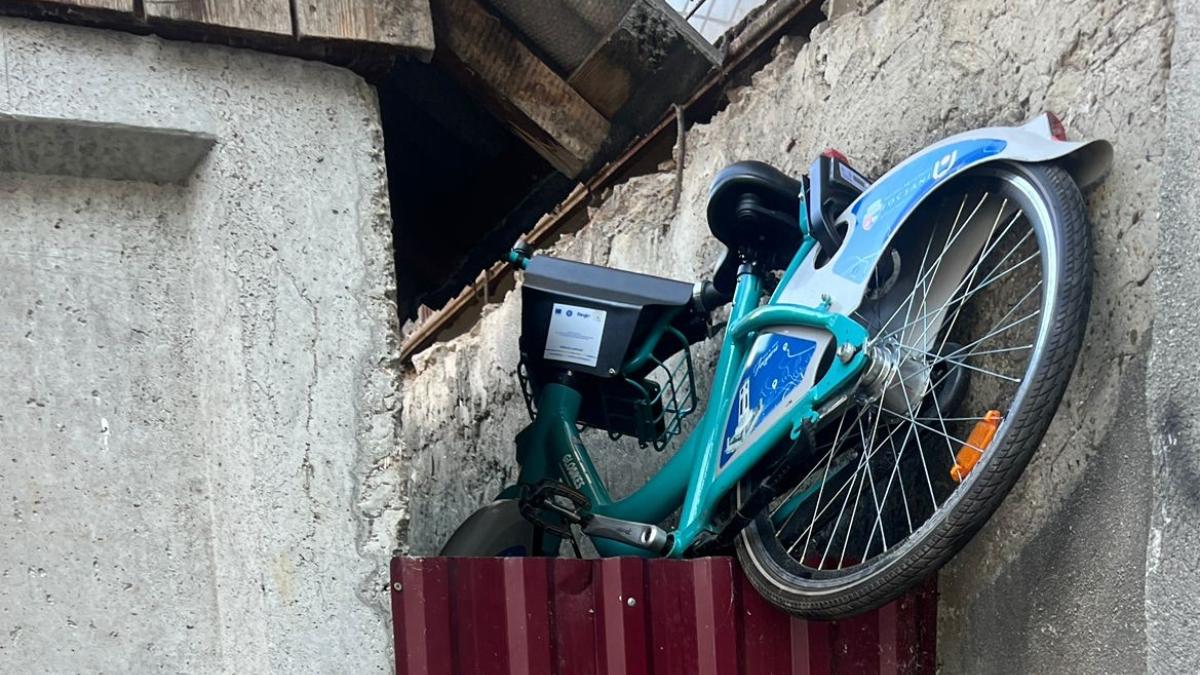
(882, 208)
(775, 367)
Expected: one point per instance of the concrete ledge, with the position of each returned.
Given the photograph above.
(89, 149)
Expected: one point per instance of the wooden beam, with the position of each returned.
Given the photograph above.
(114, 5)
(521, 90)
(259, 16)
(401, 23)
(652, 58)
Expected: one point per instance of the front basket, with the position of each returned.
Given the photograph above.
(649, 405)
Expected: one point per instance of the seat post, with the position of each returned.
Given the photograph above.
(748, 291)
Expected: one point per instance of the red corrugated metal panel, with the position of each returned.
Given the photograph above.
(627, 616)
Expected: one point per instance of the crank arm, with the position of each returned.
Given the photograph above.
(631, 533)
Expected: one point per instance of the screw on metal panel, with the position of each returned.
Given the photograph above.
(397, 587)
(846, 351)
(612, 371)
(631, 602)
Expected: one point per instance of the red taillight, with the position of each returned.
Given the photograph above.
(1057, 131)
(834, 154)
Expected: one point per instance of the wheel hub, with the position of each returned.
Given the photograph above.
(899, 379)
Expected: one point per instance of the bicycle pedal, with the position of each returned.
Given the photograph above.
(555, 507)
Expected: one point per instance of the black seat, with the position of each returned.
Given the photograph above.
(754, 208)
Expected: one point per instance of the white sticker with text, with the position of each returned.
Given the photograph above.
(575, 334)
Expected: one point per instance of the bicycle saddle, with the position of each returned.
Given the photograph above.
(753, 208)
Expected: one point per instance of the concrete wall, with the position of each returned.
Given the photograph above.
(1173, 394)
(196, 420)
(1055, 583)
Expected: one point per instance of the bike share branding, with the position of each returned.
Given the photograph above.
(575, 334)
(882, 208)
(775, 367)
(570, 469)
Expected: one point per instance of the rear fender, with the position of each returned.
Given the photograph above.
(875, 217)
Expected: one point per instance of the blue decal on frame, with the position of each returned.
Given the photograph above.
(774, 368)
(881, 210)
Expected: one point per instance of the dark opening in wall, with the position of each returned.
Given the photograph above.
(454, 174)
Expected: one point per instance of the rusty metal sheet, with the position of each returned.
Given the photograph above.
(627, 616)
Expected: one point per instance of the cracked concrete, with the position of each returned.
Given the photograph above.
(1054, 583)
(198, 430)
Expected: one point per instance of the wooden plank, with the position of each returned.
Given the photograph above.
(115, 5)
(402, 23)
(260, 16)
(603, 80)
(521, 90)
(562, 32)
(621, 69)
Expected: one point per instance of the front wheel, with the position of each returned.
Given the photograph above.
(980, 302)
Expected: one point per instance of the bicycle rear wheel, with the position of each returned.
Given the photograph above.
(980, 306)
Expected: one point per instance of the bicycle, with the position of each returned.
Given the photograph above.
(871, 405)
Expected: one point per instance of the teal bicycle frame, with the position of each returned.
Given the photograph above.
(551, 447)
(694, 479)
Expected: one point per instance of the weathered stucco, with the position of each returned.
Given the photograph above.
(197, 418)
(1055, 582)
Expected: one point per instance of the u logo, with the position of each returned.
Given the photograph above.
(943, 165)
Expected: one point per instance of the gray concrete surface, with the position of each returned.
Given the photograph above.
(196, 423)
(1055, 582)
(1173, 546)
(68, 147)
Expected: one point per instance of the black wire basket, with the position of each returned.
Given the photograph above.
(649, 403)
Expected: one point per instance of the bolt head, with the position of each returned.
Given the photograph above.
(631, 602)
(846, 351)
(397, 587)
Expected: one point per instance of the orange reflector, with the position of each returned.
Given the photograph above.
(981, 436)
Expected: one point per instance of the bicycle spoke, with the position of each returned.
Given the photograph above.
(903, 493)
(878, 514)
(932, 430)
(920, 448)
(829, 504)
(967, 278)
(975, 270)
(966, 295)
(921, 274)
(947, 359)
(868, 452)
(858, 495)
(991, 277)
(820, 491)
